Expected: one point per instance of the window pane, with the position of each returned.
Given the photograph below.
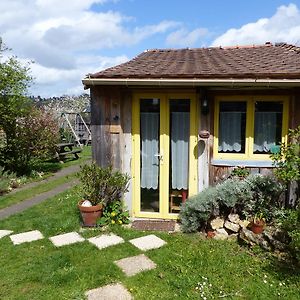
(149, 126)
(232, 127)
(267, 126)
(179, 152)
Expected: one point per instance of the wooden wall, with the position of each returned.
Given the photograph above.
(111, 126)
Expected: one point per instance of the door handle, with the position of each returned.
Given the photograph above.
(160, 156)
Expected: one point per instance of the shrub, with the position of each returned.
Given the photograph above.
(36, 135)
(5, 181)
(256, 194)
(198, 209)
(287, 160)
(102, 185)
(291, 224)
(266, 191)
(114, 214)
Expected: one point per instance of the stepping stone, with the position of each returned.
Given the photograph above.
(25, 237)
(148, 242)
(135, 264)
(109, 292)
(66, 239)
(106, 240)
(3, 233)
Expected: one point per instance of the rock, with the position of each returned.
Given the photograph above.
(217, 223)
(278, 245)
(264, 244)
(232, 226)
(248, 236)
(221, 234)
(234, 218)
(233, 237)
(86, 203)
(244, 223)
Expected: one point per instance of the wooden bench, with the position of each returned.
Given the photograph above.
(65, 149)
(63, 154)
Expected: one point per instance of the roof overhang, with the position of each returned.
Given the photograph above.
(190, 82)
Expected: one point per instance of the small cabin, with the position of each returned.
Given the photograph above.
(178, 121)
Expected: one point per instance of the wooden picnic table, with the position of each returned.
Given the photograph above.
(64, 149)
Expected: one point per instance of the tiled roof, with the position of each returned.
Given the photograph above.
(279, 61)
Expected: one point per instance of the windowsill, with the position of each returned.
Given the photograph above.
(244, 163)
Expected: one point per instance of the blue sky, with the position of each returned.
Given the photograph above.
(70, 38)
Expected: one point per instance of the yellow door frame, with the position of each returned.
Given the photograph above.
(164, 149)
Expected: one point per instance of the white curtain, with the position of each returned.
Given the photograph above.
(180, 133)
(230, 132)
(264, 131)
(149, 151)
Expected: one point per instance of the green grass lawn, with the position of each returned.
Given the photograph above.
(50, 167)
(188, 267)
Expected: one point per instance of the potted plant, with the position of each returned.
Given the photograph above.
(99, 186)
(258, 223)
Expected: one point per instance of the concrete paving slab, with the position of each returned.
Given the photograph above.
(106, 240)
(109, 292)
(4, 233)
(26, 237)
(148, 242)
(135, 264)
(66, 239)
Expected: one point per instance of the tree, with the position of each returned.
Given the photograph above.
(14, 82)
(29, 132)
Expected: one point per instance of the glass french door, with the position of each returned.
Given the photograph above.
(164, 153)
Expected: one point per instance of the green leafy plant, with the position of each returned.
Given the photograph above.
(291, 224)
(240, 172)
(265, 199)
(287, 159)
(102, 185)
(114, 214)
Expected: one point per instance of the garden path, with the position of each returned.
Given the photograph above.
(21, 206)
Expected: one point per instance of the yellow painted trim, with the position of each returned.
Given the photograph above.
(164, 163)
(136, 195)
(165, 147)
(248, 155)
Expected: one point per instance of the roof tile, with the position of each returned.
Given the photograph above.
(280, 61)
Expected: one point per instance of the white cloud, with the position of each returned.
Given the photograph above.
(65, 37)
(183, 38)
(283, 26)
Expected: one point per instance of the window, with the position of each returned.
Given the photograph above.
(248, 127)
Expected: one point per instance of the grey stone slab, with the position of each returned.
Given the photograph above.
(148, 242)
(26, 237)
(66, 239)
(109, 292)
(106, 240)
(4, 233)
(135, 264)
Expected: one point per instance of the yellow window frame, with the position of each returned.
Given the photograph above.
(249, 134)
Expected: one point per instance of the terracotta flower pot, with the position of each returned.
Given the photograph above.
(210, 234)
(90, 214)
(257, 227)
